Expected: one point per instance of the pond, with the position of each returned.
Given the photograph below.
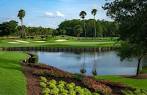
(106, 63)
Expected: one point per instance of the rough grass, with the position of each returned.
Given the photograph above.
(137, 83)
(12, 80)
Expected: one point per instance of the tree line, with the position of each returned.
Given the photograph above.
(12, 28)
(100, 28)
(75, 27)
(68, 27)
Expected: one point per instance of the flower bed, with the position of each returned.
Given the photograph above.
(97, 86)
(53, 87)
(52, 73)
(86, 81)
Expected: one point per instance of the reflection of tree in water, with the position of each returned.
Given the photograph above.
(94, 71)
(83, 66)
(76, 55)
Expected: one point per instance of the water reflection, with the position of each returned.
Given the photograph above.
(104, 63)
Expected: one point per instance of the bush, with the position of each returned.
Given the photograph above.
(43, 85)
(43, 79)
(45, 91)
(97, 86)
(62, 88)
(135, 92)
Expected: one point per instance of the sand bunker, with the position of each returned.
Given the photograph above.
(40, 41)
(22, 41)
(61, 40)
(13, 42)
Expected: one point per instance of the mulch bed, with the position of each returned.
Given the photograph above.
(33, 79)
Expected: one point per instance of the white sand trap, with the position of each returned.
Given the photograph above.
(22, 41)
(61, 40)
(40, 41)
(13, 42)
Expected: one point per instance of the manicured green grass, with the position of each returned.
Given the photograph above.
(137, 83)
(53, 43)
(12, 80)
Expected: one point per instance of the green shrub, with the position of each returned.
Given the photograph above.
(53, 81)
(43, 79)
(87, 91)
(70, 86)
(45, 91)
(43, 85)
(78, 76)
(51, 85)
(54, 91)
(135, 92)
(62, 88)
(79, 90)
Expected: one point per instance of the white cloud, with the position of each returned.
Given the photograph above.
(53, 15)
(59, 14)
(49, 14)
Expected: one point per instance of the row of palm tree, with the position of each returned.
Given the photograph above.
(21, 15)
(83, 15)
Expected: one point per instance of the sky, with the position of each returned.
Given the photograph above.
(49, 13)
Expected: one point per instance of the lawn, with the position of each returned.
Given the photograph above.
(137, 83)
(12, 80)
(105, 42)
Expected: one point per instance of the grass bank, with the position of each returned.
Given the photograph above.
(12, 80)
(137, 83)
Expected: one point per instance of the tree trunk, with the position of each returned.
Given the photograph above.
(84, 28)
(22, 29)
(139, 64)
(95, 27)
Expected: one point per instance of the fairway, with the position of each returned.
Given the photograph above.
(58, 43)
(12, 80)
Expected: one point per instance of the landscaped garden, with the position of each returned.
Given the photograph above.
(56, 81)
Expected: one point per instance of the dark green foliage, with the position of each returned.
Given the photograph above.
(75, 28)
(21, 14)
(38, 31)
(132, 18)
(7, 28)
(33, 59)
(78, 77)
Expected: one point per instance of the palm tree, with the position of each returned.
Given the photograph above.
(82, 15)
(94, 12)
(21, 15)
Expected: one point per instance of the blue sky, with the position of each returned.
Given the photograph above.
(49, 13)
